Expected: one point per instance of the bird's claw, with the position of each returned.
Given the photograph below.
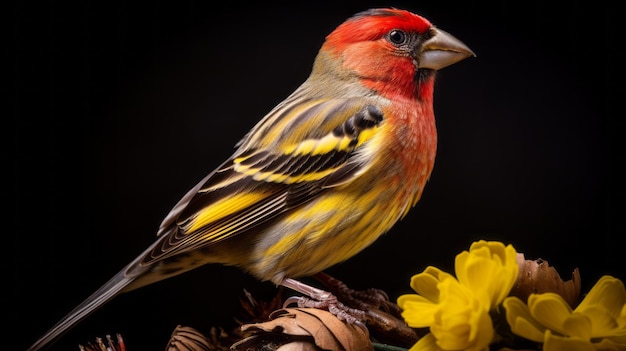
(332, 305)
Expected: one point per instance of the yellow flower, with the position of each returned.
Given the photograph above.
(457, 311)
(597, 323)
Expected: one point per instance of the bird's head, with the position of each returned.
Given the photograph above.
(394, 52)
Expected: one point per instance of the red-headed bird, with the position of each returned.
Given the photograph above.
(321, 176)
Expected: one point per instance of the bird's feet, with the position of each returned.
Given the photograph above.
(321, 299)
(364, 300)
(369, 308)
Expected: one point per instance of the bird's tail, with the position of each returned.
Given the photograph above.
(108, 291)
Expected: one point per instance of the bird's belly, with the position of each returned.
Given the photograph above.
(323, 233)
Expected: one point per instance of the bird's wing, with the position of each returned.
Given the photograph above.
(286, 160)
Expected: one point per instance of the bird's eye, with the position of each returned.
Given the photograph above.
(397, 37)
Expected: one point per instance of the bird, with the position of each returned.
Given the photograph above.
(320, 177)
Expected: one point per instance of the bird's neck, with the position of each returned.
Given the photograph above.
(399, 81)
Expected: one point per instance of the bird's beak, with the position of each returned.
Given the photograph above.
(442, 50)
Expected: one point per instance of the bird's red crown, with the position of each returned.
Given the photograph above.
(373, 24)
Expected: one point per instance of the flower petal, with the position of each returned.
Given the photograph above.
(612, 343)
(425, 283)
(602, 324)
(558, 343)
(426, 343)
(578, 325)
(520, 320)
(411, 298)
(418, 314)
(604, 305)
(608, 292)
(551, 310)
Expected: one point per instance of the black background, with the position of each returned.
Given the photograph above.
(117, 109)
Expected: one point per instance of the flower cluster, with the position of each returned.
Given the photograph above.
(458, 310)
